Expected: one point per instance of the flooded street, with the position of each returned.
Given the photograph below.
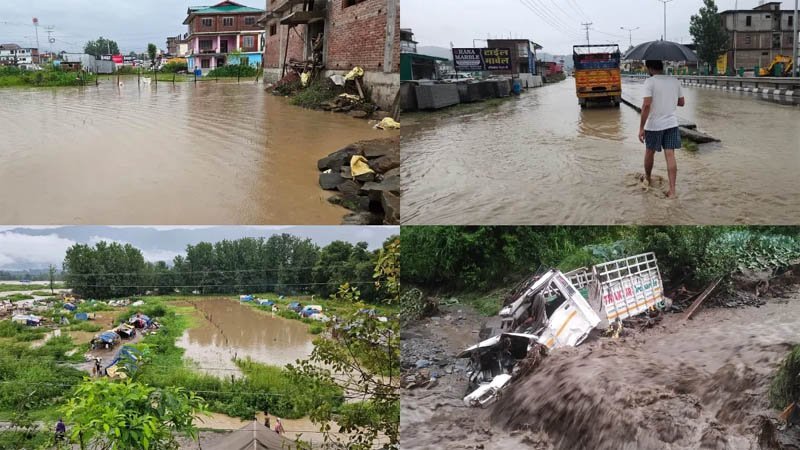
(696, 384)
(226, 329)
(211, 153)
(540, 159)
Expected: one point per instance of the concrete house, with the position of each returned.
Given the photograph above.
(758, 35)
(341, 34)
(214, 32)
(14, 55)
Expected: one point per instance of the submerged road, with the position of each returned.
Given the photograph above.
(541, 159)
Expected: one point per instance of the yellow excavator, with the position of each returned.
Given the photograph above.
(779, 59)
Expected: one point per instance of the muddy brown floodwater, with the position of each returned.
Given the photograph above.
(211, 153)
(228, 329)
(540, 159)
(696, 384)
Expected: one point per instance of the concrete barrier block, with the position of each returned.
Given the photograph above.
(408, 97)
(437, 96)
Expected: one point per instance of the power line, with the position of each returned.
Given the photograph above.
(547, 17)
(201, 285)
(210, 271)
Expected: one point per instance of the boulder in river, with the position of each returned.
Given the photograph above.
(330, 180)
(337, 159)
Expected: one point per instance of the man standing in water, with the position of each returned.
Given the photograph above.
(659, 124)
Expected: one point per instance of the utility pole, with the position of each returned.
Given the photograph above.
(735, 26)
(665, 17)
(795, 53)
(587, 25)
(630, 34)
(36, 27)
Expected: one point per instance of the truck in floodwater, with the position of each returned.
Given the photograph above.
(597, 74)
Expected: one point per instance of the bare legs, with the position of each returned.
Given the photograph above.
(672, 169)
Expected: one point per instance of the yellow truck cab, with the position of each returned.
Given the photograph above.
(597, 74)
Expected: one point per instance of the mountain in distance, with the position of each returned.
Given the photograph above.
(432, 50)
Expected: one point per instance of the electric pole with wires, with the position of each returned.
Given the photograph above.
(586, 25)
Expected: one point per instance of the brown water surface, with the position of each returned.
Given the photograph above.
(227, 329)
(211, 153)
(541, 159)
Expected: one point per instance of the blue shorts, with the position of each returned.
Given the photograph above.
(669, 139)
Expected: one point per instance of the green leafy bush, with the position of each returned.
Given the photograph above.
(175, 67)
(234, 71)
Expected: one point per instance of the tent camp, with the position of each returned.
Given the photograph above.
(254, 435)
(140, 321)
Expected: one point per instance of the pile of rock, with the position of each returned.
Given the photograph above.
(374, 197)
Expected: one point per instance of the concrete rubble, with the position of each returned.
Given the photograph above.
(366, 179)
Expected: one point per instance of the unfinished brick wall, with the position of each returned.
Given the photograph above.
(276, 45)
(357, 35)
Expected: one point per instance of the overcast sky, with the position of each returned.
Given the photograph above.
(24, 248)
(132, 23)
(555, 24)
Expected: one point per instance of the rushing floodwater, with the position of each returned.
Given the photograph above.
(211, 153)
(540, 159)
(228, 329)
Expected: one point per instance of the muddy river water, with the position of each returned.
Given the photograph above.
(541, 159)
(696, 384)
(226, 329)
(211, 153)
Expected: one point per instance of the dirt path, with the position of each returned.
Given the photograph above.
(696, 384)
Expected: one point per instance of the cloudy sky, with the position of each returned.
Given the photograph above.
(132, 23)
(555, 24)
(24, 248)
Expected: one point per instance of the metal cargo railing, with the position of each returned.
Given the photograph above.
(629, 286)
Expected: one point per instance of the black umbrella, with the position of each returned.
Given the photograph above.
(661, 50)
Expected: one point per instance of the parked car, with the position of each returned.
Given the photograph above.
(456, 78)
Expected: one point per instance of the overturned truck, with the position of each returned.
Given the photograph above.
(552, 311)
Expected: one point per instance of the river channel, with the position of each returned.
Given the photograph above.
(210, 153)
(541, 159)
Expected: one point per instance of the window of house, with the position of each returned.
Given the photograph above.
(249, 20)
(273, 30)
(791, 21)
(205, 44)
(205, 63)
(348, 3)
(207, 22)
(248, 42)
(227, 21)
(748, 21)
(748, 40)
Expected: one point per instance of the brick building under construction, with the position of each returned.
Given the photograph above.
(337, 35)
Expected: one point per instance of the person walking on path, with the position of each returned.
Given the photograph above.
(61, 430)
(658, 128)
(279, 426)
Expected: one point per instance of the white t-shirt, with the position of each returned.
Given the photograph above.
(665, 91)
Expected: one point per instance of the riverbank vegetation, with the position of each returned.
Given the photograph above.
(47, 77)
(476, 264)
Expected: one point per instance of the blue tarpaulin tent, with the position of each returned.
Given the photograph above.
(295, 306)
(82, 316)
(266, 303)
(70, 307)
(140, 321)
(246, 298)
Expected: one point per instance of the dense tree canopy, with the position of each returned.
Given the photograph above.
(101, 46)
(284, 264)
(708, 33)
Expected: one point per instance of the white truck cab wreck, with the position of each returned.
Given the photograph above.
(551, 310)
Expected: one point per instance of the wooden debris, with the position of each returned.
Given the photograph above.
(787, 412)
(701, 298)
(360, 91)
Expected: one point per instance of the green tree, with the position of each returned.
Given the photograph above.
(52, 273)
(106, 270)
(363, 358)
(151, 52)
(101, 46)
(708, 33)
(130, 415)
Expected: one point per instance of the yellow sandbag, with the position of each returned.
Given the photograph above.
(359, 166)
(355, 73)
(304, 77)
(388, 124)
